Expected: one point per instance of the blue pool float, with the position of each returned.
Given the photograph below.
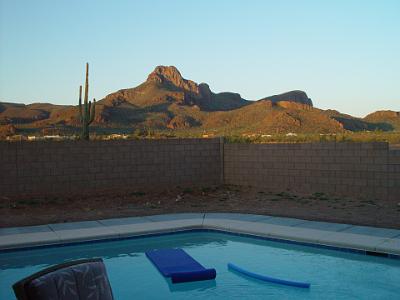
(267, 278)
(179, 266)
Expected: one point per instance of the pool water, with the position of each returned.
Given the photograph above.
(332, 274)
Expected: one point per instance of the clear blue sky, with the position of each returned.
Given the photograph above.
(344, 54)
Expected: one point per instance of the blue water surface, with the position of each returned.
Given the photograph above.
(332, 274)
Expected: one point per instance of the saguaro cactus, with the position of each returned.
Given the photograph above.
(87, 113)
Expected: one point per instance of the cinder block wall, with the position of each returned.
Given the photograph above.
(79, 166)
(394, 175)
(366, 170)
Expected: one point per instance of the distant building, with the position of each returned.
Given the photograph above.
(53, 137)
(116, 136)
(291, 134)
(16, 137)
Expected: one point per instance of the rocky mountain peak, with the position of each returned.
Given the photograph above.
(171, 75)
(384, 114)
(292, 96)
(205, 90)
(165, 73)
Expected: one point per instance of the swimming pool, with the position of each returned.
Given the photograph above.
(332, 274)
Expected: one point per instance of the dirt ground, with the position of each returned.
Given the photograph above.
(318, 206)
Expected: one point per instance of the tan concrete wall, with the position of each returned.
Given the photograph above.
(78, 166)
(366, 170)
(394, 175)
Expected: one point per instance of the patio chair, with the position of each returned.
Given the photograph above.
(83, 279)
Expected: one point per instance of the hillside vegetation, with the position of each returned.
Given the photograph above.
(172, 105)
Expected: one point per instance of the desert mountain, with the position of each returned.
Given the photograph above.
(167, 101)
(293, 96)
(165, 85)
(388, 118)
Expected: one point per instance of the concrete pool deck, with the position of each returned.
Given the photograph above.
(364, 238)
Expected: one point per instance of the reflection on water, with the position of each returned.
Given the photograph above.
(106, 249)
(191, 286)
(334, 275)
(136, 246)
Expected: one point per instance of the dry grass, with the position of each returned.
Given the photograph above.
(318, 206)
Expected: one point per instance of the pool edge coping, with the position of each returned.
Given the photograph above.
(242, 225)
